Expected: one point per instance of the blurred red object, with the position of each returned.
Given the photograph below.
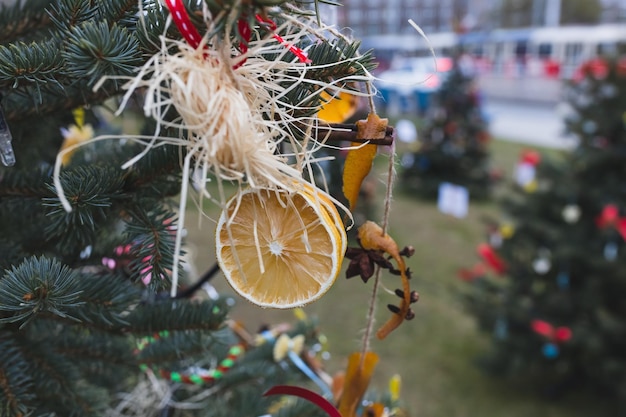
(597, 68)
(469, 275)
(547, 330)
(530, 157)
(491, 257)
(609, 217)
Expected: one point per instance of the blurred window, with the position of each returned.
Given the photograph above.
(573, 52)
(607, 48)
(355, 15)
(545, 50)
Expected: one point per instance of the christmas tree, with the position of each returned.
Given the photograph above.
(223, 98)
(550, 282)
(453, 141)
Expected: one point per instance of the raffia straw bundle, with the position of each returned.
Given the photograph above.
(233, 115)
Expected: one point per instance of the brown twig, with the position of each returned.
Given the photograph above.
(339, 132)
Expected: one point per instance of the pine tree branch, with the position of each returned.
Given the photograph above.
(24, 64)
(23, 19)
(177, 315)
(30, 101)
(15, 381)
(66, 14)
(151, 232)
(123, 12)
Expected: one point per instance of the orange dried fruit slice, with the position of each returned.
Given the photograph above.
(327, 202)
(277, 248)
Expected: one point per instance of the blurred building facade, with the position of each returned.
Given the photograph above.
(370, 18)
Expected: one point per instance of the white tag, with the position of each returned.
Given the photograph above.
(524, 173)
(453, 200)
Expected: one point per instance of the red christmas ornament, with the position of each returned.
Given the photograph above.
(609, 217)
(562, 334)
(558, 335)
(542, 328)
(491, 257)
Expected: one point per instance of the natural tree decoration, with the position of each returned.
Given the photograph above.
(238, 120)
(359, 160)
(91, 322)
(373, 238)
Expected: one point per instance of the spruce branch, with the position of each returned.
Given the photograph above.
(105, 301)
(157, 174)
(97, 351)
(56, 376)
(66, 14)
(16, 382)
(23, 18)
(122, 12)
(185, 346)
(177, 315)
(94, 50)
(91, 191)
(38, 286)
(34, 63)
(151, 232)
(30, 101)
(25, 184)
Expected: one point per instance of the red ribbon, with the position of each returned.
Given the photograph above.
(559, 335)
(492, 258)
(306, 394)
(183, 23)
(192, 36)
(609, 217)
(294, 49)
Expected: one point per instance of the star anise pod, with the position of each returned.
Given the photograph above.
(362, 262)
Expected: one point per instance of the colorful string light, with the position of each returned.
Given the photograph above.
(200, 377)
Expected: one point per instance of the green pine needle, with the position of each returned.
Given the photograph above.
(38, 286)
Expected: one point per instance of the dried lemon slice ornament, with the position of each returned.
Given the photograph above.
(279, 249)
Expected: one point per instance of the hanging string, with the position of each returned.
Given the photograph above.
(385, 223)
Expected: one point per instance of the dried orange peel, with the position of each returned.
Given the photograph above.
(359, 160)
(372, 237)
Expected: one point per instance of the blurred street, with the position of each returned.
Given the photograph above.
(533, 122)
(525, 110)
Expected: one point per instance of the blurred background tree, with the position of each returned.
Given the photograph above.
(454, 140)
(554, 305)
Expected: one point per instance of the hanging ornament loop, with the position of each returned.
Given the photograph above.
(294, 49)
(183, 22)
(192, 36)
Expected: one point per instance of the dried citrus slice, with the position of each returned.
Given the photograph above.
(277, 248)
(326, 201)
